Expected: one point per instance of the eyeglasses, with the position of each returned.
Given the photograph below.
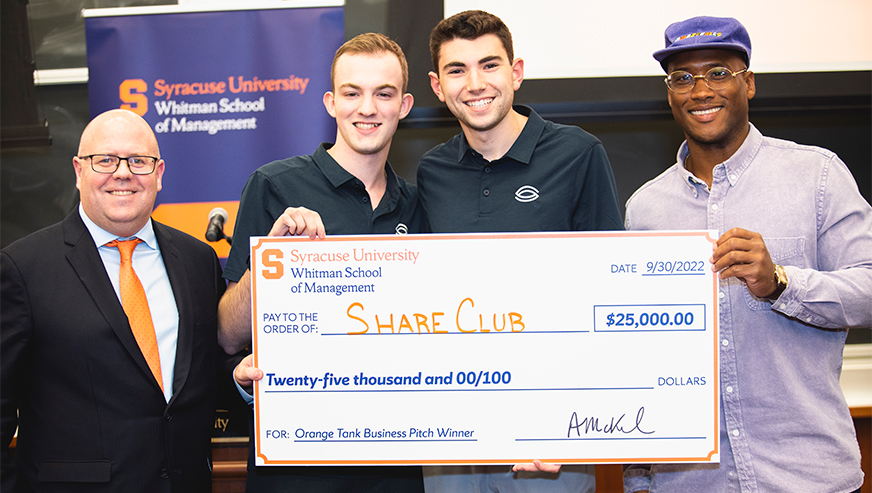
(107, 163)
(716, 78)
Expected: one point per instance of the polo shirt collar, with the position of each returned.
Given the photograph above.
(522, 150)
(338, 176)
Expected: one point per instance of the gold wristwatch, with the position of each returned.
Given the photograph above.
(780, 282)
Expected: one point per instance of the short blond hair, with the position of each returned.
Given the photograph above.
(373, 44)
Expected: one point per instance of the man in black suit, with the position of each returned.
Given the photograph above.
(98, 409)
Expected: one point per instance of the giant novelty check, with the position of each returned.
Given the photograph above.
(486, 348)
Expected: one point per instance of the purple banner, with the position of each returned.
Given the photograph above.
(225, 91)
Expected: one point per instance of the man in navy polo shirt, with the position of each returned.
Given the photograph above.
(509, 170)
(354, 187)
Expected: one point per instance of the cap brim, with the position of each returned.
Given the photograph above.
(663, 54)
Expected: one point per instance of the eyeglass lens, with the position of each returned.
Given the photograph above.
(715, 78)
(107, 163)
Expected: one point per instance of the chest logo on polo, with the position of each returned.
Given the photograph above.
(527, 193)
(401, 229)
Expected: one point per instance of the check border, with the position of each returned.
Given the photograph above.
(261, 242)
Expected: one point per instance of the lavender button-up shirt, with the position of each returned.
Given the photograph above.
(784, 423)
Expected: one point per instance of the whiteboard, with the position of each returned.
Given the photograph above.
(583, 38)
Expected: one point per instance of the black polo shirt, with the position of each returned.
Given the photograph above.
(554, 178)
(319, 183)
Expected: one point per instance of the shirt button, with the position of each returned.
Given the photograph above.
(735, 433)
(486, 192)
(714, 207)
(487, 170)
(783, 306)
(364, 199)
(733, 178)
(729, 390)
(168, 417)
(725, 342)
(164, 473)
(721, 294)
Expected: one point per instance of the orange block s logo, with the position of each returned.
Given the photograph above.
(273, 266)
(132, 92)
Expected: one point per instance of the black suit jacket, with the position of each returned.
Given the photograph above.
(91, 417)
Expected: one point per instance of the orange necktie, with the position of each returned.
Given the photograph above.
(136, 306)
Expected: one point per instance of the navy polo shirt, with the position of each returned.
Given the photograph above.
(554, 178)
(319, 183)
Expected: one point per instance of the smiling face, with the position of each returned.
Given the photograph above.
(709, 118)
(477, 81)
(118, 202)
(367, 103)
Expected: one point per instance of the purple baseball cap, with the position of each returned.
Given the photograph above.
(697, 33)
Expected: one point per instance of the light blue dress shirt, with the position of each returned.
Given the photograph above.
(149, 267)
(784, 422)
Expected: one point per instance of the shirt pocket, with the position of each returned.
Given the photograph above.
(783, 251)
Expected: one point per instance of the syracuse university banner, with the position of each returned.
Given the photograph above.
(225, 91)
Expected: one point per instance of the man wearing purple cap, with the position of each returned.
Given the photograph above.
(791, 284)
